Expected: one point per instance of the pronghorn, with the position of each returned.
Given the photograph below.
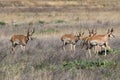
(21, 39)
(100, 41)
(71, 39)
(91, 33)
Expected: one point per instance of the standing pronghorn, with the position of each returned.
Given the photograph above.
(92, 32)
(100, 41)
(71, 39)
(21, 39)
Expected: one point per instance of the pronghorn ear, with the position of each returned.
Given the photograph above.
(108, 31)
(83, 33)
(95, 31)
(31, 33)
(112, 30)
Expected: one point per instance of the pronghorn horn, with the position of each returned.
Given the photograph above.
(89, 30)
(28, 29)
(92, 31)
(112, 30)
(28, 32)
(33, 30)
(95, 31)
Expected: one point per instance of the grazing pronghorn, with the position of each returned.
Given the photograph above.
(71, 39)
(91, 33)
(100, 41)
(21, 39)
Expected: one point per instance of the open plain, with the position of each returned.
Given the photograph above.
(44, 58)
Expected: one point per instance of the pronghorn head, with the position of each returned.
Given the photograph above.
(92, 32)
(29, 34)
(79, 35)
(110, 33)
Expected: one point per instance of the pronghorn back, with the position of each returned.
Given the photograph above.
(68, 37)
(20, 38)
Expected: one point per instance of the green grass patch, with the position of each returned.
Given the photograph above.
(41, 22)
(48, 31)
(85, 64)
(18, 24)
(114, 51)
(60, 21)
(76, 64)
(2, 23)
(43, 66)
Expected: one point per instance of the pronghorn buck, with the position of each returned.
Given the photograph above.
(71, 39)
(21, 39)
(92, 32)
(100, 41)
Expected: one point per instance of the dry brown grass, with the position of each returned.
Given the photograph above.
(66, 17)
(45, 49)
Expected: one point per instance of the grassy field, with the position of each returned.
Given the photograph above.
(44, 58)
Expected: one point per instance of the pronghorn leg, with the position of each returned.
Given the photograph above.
(104, 46)
(74, 47)
(105, 51)
(71, 47)
(63, 46)
(22, 47)
(107, 46)
(13, 47)
(100, 48)
(89, 47)
(94, 49)
(97, 50)
(89, 51)
(82, 45)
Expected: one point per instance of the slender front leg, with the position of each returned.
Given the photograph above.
(13, 47)
(63, 46)
(104, 46)
(22, 47)
(97, 50)
(89, 51)
(71, 47)
(107, 46)
(82, 44)
(74, 47)
(105, 51)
